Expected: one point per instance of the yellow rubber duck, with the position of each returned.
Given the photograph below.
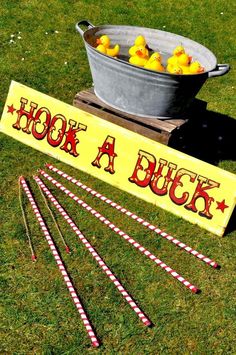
(174, 69)
(113, 52)
(156, 56)
(196, 68)
(139, 41)
(176, 53)
(141, 56)
(101, 49)
(104, 42)
(154, 62)
(184, 61)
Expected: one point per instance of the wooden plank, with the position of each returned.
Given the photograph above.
(159, 130)
(167, 125)
(159, 136)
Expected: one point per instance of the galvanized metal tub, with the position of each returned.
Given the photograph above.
(140, 91)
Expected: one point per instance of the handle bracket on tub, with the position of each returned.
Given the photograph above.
(83, 23)
(221, 69)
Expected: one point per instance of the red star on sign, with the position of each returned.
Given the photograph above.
(221, 205)
(11, 109)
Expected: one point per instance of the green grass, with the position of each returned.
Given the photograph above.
(38, 316)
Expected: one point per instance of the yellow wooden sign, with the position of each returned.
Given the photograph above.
(190, 188)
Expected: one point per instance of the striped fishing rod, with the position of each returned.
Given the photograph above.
(92, 251)
(60, 264)
(136, 218)
(122, 234)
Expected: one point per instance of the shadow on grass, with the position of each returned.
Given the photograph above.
(208, 135)
(232, 223)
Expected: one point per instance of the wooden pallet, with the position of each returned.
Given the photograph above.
(156, 129)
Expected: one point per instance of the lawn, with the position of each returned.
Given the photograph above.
(40, 48)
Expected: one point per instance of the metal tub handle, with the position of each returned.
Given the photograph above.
(83, 23)
(221, 69)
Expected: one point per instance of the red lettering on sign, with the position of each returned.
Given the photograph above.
(107, 148)
(167, 179)
(144, 158)
(41, 135)
(71, 140)
(22, 112)
(55, 142)
(49, 126)
(200, 192)
(178, 183)
(144, 175)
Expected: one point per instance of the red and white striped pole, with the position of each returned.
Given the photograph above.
(33, 256)
(96, 256)
(60, 264)
(118, 231)
(155, 229)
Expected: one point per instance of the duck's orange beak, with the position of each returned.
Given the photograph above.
(190, 58)
(139, 53)
(98, 41)
(201, 70)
